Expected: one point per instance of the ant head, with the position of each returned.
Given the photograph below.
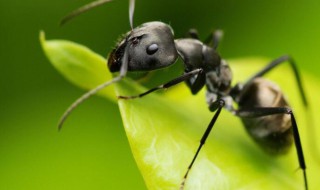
(147, 47)
(150, 46)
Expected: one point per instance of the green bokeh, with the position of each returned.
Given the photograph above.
(92, 151)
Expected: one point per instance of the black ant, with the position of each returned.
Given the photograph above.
(262, 107)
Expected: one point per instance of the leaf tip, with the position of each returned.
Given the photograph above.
(42, 36)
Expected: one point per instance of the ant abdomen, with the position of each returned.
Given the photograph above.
(273, 132)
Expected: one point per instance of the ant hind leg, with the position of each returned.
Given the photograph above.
(266, 111)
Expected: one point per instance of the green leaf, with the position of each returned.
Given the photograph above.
(164, 128)
(164, 132)
(78, 64)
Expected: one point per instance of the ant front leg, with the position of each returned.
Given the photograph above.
(196, 83)
(258, 112)
(214, 106)
(173, 82)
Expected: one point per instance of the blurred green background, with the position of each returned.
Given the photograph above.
(92, 151)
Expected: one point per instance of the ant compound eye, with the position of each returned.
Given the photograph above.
(153, 48)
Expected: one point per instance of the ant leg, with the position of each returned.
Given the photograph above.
(214, 39)
(265, 111)
(275, 63)
(217, 105)
(196, 83)
(193, 33)
(173, 82)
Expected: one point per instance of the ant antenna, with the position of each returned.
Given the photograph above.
(124, 66)
(123, 72)
(82, 99)
(131, 12)
(82, 9)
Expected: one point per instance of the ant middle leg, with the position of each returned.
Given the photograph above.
(215, 106)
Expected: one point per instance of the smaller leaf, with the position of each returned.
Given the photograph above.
(78, 64)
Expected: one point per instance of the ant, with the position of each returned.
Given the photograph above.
(262, 107)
